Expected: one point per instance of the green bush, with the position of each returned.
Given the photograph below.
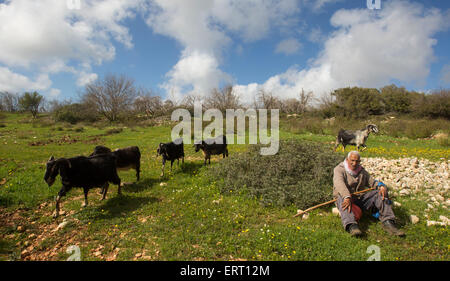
(301, 173)
(74, 113)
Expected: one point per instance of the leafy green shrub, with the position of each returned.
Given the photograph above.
(74, 113)
(301, 173)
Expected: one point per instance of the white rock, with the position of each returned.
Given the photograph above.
(397, 204)
(414, 219)
(431, 223)
(61, 225)
(336, 212)
(444, 219)
(404, 192)
(305, 216)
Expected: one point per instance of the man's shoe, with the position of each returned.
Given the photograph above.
(353, 229)
(390, 228)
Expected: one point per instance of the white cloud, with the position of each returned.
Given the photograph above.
(85, 78)
(15, 82)
(54, 93)
(288, 46)
(316, 35)
(196, 73)
(367, 49)
(204, 29)
(45, 36)
(319, 4)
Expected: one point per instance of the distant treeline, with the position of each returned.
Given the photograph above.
(116, 98)
(362, 102)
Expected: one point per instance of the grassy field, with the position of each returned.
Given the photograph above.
(182, 216)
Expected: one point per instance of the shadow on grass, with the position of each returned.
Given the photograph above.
(121, 205)
(141, 185)
(191, 167)
(401, 219)
(188, 168)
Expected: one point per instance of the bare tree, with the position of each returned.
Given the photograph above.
(291, 105)
(327, 100)
(305, 99)
(9, 101)
(266, 100)
(223, 99)
(148, 103)
(189, 101)
(112, 96)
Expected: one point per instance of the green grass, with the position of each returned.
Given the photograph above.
(187, 218)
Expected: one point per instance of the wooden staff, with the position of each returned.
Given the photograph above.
(300, 212)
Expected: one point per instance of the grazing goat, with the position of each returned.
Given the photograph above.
(214, 146)
(358, 137)
(81, 171)
(127, 158)
(171, 151)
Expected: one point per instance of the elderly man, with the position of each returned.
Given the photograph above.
(349, 177)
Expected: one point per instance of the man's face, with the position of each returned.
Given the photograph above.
(353, 161)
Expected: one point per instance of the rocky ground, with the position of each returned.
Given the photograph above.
(419, 179)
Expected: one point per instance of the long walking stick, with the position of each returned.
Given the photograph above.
(300, 212)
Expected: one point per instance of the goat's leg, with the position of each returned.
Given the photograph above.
(105, 190)
(61, 193)
(85, 203)
(336, 144)
(162, 169)
(119, 188)
(138, 171)
(171, 164)
(58, 199)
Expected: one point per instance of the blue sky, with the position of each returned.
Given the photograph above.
(178, 48)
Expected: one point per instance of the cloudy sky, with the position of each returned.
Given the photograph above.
(178, 47)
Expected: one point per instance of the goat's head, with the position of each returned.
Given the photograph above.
(53, 167)
(198, 145)
(162, 149)
(372, 128)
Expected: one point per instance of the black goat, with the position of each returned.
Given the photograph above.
(127, 158)
(81, 171)
(214, 146)
(171, 151)
(357, 137)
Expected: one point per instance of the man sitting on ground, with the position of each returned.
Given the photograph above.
(349, 177)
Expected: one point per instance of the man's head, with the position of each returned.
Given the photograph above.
(353, 159)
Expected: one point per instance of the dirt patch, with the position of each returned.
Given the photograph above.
(34, 239)
(67, 140)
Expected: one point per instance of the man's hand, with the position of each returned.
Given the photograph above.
(382, 192)
(347, 203)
